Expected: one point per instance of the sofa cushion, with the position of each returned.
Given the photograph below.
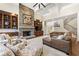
(60, 37)
(5, 51)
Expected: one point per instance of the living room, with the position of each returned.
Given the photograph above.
(39, 29)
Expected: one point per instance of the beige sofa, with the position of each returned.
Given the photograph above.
(31, 47)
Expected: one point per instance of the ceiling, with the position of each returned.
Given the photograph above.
(30, 5)
(47, 9)
(14, 7)
(10, 7)
(48, 5)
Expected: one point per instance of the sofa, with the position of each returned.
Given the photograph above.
(60, 44)
(21, 47)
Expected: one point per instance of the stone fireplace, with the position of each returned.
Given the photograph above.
(26, 30)
(26, 33)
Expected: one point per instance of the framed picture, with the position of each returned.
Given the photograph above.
(27, 19)
(56, 24)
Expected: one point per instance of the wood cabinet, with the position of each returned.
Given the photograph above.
(38, 25)
(38, 28)
(38, 33)
(0, 20)
(14, 22)
(8, 21)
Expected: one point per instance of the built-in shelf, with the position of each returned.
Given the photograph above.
(27, 27)
(38, 28)
(8, 21)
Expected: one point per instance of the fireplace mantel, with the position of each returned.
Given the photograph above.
(26, 27)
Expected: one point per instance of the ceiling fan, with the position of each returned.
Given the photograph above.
(39, 5)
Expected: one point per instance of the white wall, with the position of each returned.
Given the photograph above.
(38, 16)
(64, 11)
(53, 13)
(70, 9)
(50, 27)
(61, 28)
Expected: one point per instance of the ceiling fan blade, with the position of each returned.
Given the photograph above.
(43, 5)
(39, 6)
(35, 4)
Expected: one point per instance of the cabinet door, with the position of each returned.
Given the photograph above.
(7, 22)
(0, 20)
(14, 22)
